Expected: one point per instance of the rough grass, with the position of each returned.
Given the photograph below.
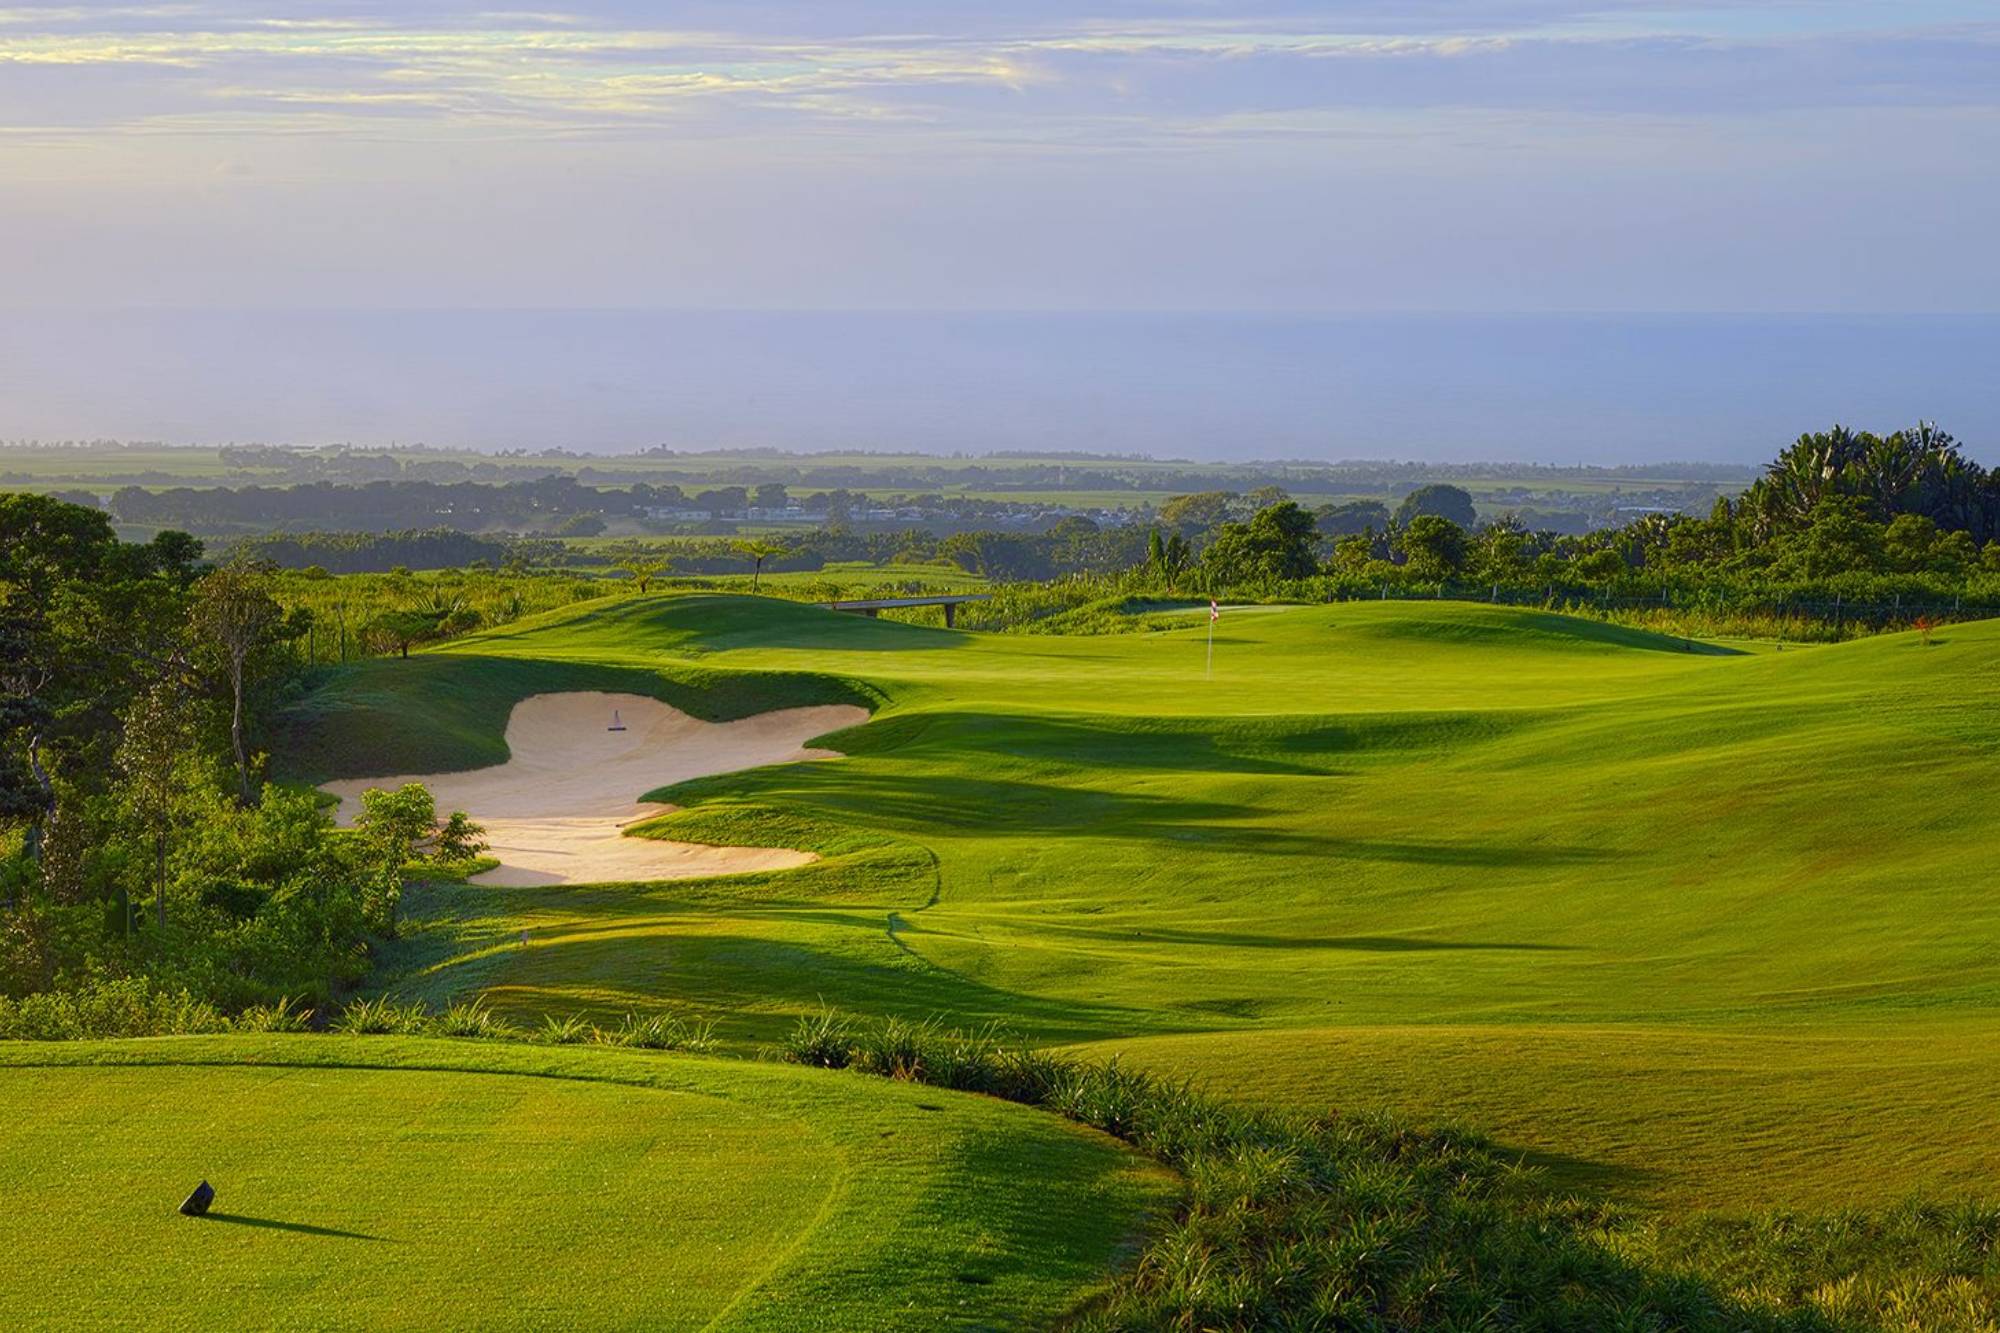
(392, 1182)
(1343, 1221)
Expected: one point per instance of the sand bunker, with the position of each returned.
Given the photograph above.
(555, 812)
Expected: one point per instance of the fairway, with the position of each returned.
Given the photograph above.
(1615, 896)
(388, 1179)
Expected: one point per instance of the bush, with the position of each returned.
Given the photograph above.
(281, 1016)
(131, 1007)
(570, 1031)
(472, 1019)
(820, 1039)
(661, 1032)
(382, 1016)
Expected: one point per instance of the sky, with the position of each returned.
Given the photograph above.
(1081, 155)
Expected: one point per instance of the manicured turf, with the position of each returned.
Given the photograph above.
(1623, 899)
(399, 1183)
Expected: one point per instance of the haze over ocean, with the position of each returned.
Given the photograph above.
(1550, 388)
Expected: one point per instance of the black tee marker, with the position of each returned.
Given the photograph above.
(197, 1203)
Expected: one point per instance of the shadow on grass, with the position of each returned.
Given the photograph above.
(754, 986)
(296, 1228)
(1306, 746)
(915, 804)
(1357, 943)
(1617, 1181)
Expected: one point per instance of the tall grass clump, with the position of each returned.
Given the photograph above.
(1292, 1221)
(661, 1032)
(382, 1017)
(472, 1018)
(569, 1031)
(283, 1015)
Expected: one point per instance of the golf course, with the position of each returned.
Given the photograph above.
(1682, 921)
(1683, 926)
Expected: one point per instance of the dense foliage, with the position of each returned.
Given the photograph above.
(140, 842)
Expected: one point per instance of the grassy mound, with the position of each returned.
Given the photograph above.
(401, 1182)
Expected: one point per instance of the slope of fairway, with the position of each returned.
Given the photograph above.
(396, 1183)
(1459, 820)
(1722, 1118)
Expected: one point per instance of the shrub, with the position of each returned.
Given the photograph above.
(570, 1031)
(820, 1039)
(130, 1007)
(661, 1032)
(381, 1016)
(471, 1019)
(286, 1015)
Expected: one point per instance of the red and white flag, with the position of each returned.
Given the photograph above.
(1214, 611)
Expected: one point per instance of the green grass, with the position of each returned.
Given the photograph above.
(1700, 927)
(387, 1182)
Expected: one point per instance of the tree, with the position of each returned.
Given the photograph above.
(1277, 543)
(1352, 518)
(1446, 502)
(402, 826)
(235, 612)
(86, 621)
(159, 737)
(1170, 557)
(1503, 551)
(1433, 547)
(1191, 514)
(757, 551)
(401, 630)
(644, 569)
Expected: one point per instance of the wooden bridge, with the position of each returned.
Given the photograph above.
(874, 606)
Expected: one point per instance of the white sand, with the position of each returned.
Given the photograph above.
(556, 810)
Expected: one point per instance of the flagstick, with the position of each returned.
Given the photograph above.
(1208, 672)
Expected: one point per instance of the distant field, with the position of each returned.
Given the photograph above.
(391, 1179)
(1693, 926)
(1017, 479)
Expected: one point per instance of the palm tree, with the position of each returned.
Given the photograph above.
(644, 570)
(758, 551)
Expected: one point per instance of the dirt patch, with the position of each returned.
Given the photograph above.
(556, 811)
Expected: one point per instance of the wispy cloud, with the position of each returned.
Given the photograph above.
(614, 67)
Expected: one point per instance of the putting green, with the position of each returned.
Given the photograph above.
(1383, 840)
(396, 1183)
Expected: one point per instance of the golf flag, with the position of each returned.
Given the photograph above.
(1214, 614)
(1214, 611)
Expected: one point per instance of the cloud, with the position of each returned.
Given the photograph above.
(1004, 73)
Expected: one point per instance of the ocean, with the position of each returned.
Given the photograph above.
(1542, 388)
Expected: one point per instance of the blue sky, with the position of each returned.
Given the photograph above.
(1483, 155)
